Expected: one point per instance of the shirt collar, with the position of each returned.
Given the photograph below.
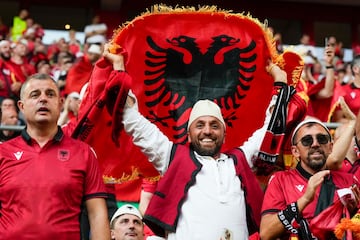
(57, 138)
(302, 171)
(222, 157)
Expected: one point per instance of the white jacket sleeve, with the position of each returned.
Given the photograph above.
(252, 145)
(146, 135)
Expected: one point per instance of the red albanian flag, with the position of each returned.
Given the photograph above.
(175, 57)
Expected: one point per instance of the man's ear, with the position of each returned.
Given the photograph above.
(295, 151)
(62, 102)
(20, 105)
(112, 234)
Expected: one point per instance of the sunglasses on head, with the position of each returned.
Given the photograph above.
(308, 140)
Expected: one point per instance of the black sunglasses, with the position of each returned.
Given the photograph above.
(308, 140)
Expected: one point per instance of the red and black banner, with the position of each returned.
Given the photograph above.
(176, 56)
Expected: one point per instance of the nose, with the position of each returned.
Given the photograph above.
(315, 142)
(131, 225)
(43, 97)
(207, 129)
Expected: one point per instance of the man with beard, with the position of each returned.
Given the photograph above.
(294, 197)
(203, 193)
(5, 50)
(6, 72)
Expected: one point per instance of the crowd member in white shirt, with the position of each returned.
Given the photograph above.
(95, 33)
(203, 193)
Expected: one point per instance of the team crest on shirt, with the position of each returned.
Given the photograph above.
(63, 155)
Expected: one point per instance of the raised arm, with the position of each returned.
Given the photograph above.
(252, 145)
(328, 89)
(342, 144)
(146, 135)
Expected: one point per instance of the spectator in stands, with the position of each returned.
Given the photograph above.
(5, 50)
(80, 72)
(306, 49)
(43, 66)
(9, 117)
(70, 109)
(20, 65)
(74, 44)
(348, 77)
(294, 197)
(313, 73)
(9, 83)
(19, 25)
(350, 163)
(39, 53)
(4, 30)
(321, 92)
(126, 223)
(96, 32)
(351, 92)
(59, 49)
(10, 103)
(52, 175)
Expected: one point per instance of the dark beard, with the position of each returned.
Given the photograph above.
(6, 58)
(316, 166)
(205, 152)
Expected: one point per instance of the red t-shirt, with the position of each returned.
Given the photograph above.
(286, 187)
(41, 189)
(321, 107)
(352, 97)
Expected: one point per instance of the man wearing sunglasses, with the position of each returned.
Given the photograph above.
(294, 197)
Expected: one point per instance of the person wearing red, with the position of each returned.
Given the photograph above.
(351, 92)
(19, 66)
(294, 197)
(45, 175)
(80, 72)
(6, 73)
(321, 90)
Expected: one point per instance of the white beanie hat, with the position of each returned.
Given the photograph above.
(126, 209)
(94, 48)
(306, 121)
(205, 108)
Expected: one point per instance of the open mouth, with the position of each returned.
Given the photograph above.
(43, 110)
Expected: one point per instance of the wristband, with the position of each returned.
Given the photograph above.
(329, 67)
(288, 215)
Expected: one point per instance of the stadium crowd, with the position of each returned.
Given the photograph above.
(330, 88)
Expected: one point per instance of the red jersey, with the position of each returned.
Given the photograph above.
(321, 107)
(351, 95)
(22, 71)
(286, 187)
(41, 189)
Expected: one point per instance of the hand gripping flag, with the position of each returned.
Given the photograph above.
(176, 56)
(290, 108)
